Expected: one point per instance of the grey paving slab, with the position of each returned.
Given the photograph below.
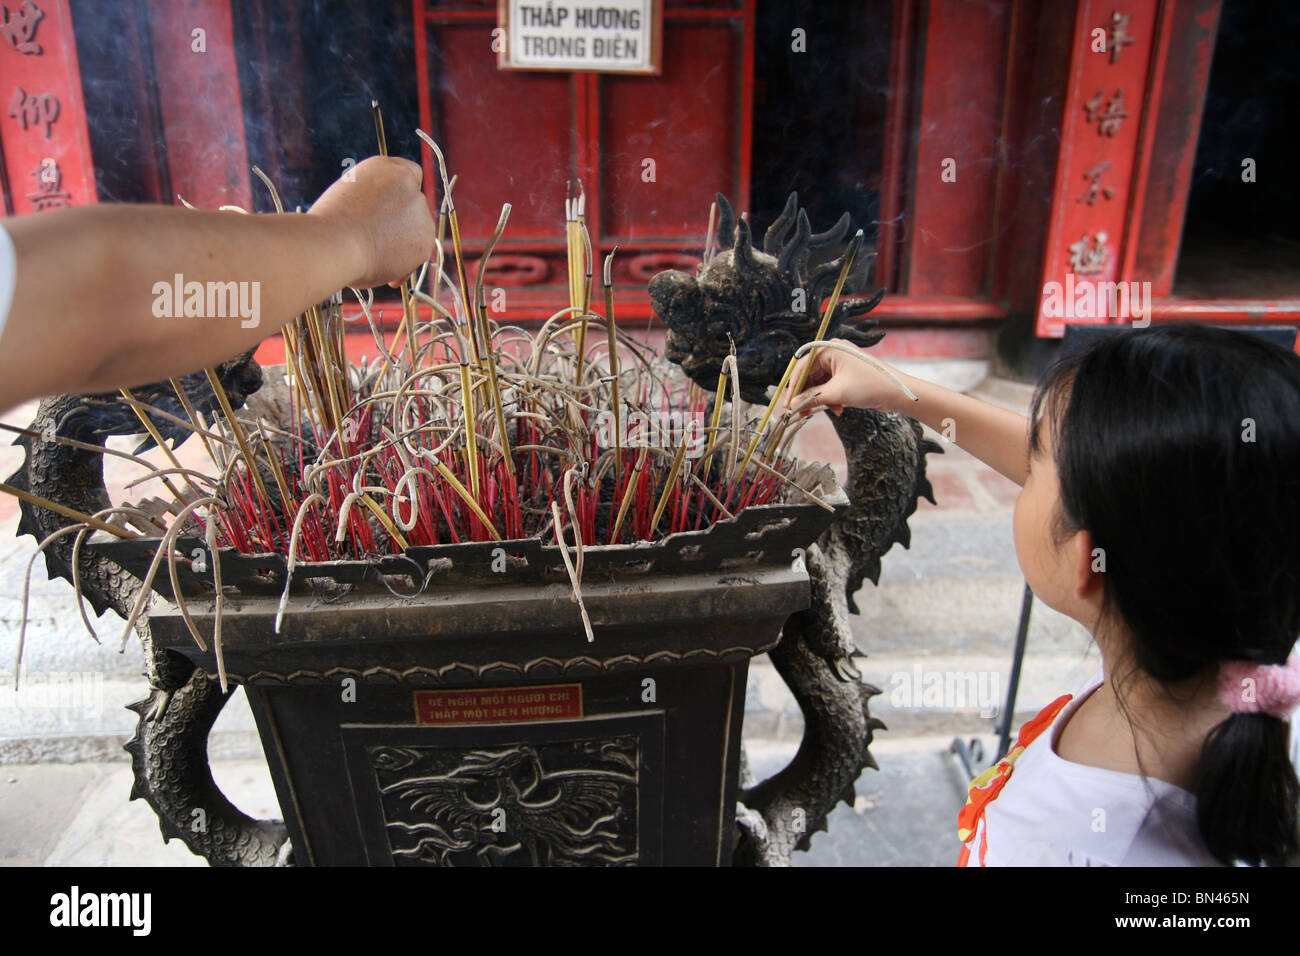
(905, 813)
(109, 830)
(37, 803)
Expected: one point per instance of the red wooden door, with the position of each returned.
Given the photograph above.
(650, 150)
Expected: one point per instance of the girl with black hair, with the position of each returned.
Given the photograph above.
(1160, 508)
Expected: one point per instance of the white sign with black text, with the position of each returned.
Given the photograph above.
(606, 36)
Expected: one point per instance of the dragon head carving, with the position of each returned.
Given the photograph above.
(767, 302)
(75, 476)
(96, 417)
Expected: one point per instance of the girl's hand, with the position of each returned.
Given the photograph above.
(835, 379)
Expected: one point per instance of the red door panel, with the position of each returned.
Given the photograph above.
(506, 133)
(684, 121)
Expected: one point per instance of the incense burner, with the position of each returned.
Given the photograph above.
(445, 707)
(361, 663)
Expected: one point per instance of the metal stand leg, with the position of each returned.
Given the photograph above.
(971, 752)
(1009, 709)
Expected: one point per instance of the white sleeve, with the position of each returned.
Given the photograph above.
(8, 276)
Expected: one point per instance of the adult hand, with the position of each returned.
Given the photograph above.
(378, 203)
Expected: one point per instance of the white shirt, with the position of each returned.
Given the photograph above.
(1052, 812)
(8, 276)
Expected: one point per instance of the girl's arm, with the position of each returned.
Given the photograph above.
(86, 315)
(995, 436)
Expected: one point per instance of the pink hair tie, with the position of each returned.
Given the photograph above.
(1273, 689)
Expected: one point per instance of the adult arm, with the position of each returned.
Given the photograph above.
(83, 312)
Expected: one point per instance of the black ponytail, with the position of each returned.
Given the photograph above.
(1247, 791)
(1178, 450)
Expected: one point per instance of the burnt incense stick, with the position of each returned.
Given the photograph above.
(454, 221)
(408, 316)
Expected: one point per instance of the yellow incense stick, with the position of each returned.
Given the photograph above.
(464, 286)
(467, 498)
(158, 440)
(718, 398)
(611, 329)
(767, 416)
(668, 487)
(238, 432)
(629, 494)
(379, 127)
(57, 508)
(471, 432)
(193, 416)
(276, 472)
(497, 402)
(585, 292)
(384, 520)
(831, 305)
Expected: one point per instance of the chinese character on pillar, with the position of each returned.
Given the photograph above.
(1110, 119)
(1088, 255)
(49, 182)
(19, 27)
(1095, 188)
(34, 109)
(1117, 35)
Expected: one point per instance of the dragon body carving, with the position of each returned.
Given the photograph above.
(169, 749)
(765, 304)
